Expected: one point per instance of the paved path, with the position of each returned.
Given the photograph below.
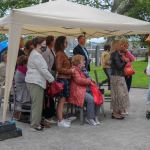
(130, 134)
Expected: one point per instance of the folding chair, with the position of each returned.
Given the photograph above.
(23, 108)
(73, 110)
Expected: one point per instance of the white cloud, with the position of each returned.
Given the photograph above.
(97, 40)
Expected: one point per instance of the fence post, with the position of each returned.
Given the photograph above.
(97, 56)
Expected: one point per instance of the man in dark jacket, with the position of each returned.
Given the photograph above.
(81, 50)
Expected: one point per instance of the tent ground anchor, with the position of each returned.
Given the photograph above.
(9, 130)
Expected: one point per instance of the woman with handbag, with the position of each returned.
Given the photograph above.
(64, 73)
(126, 54)
(80, 91)
(36, 77)
(119, 91)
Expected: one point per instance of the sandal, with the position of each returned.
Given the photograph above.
(45, 124)
(119, 117)
(38, 128)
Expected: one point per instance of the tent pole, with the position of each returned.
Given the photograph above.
(13, 47)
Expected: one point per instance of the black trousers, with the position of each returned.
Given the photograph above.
(128, 82)
(108, 74)
(49, 110)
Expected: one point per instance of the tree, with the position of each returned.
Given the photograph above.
(140, 10)
(7, 5)
(102, 4)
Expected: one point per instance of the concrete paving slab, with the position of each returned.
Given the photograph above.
(133, 133)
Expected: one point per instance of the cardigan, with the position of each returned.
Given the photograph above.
(49, 56)
(37, 70)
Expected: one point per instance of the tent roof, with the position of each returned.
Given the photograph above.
(68, 18)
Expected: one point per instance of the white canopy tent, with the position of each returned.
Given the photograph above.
(68, 18)
(62, 17)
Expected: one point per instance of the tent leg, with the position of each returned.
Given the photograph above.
(13, 47)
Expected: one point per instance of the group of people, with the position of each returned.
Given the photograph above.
(44, 61)
(114, 60)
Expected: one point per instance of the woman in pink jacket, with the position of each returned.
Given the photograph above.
(78, 91)
(128, 56)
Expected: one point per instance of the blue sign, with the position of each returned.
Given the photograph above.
(3, 46)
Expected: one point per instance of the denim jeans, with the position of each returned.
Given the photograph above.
(92, 109)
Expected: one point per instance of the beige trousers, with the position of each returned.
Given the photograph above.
(36, 93)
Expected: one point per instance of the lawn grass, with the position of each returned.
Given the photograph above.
(140, 80)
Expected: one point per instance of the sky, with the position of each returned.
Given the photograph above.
(98, 40)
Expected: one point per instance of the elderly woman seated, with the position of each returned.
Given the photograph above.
(80, 90)
(22, 94)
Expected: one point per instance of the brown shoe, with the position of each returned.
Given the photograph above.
(46, 124)
(118, 117)
(17, 115)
